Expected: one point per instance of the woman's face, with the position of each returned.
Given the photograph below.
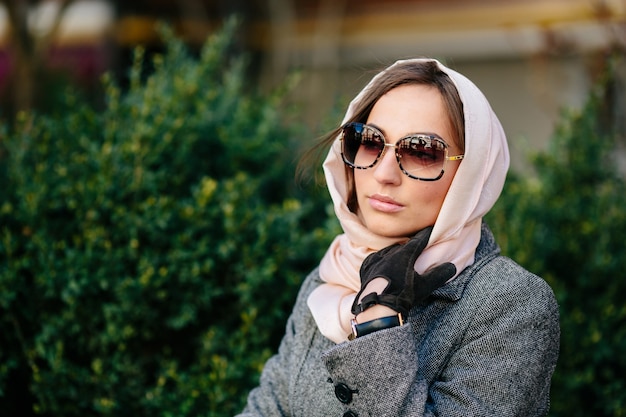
(390, 203)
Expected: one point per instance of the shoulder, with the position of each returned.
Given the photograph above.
(310, 283)
(301, 314)
(501, 277)
(504, 294)
(496, 288)
(494, 275)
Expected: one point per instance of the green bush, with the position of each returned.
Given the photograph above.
(150, 252)
(568, 224)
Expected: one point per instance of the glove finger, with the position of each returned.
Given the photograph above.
(376, 257)
(415, 246)
(370, 259)
(433, 279)
(389, 250)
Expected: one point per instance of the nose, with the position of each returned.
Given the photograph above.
(387, 171)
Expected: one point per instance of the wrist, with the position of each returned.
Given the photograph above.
(362, 329)
(375, 312)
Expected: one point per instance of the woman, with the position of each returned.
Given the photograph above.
(412, 311)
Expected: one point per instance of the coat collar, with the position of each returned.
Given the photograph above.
(487, 250)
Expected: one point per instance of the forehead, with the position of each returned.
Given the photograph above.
(413, 108)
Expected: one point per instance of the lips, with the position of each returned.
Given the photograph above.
(384, 204)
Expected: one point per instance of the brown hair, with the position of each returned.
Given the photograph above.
(410, 72)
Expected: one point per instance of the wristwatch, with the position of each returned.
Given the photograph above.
(361, 329)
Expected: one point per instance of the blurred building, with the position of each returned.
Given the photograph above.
(530, 57)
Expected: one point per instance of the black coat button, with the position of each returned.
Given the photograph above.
(343, 393)
(350, 413)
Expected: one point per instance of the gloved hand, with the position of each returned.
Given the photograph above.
(405, 287)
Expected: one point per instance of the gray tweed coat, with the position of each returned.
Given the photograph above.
(486, 344)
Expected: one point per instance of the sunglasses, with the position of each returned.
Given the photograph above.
(421, 156)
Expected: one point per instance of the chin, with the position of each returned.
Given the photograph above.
(390, 232)
(385, 226)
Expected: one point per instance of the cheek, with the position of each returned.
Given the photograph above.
(360, 181)
(357, 180)
(428, 198)
(442, 194)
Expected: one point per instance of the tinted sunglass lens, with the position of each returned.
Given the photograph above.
(422, 157)
(351, 143)
(362, 145)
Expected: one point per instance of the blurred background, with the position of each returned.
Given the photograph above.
(530, 57)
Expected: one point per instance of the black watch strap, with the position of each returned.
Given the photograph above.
(361, 329)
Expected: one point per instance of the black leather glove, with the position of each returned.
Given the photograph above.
(405, 287)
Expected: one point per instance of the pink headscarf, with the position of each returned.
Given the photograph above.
(456, 233)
